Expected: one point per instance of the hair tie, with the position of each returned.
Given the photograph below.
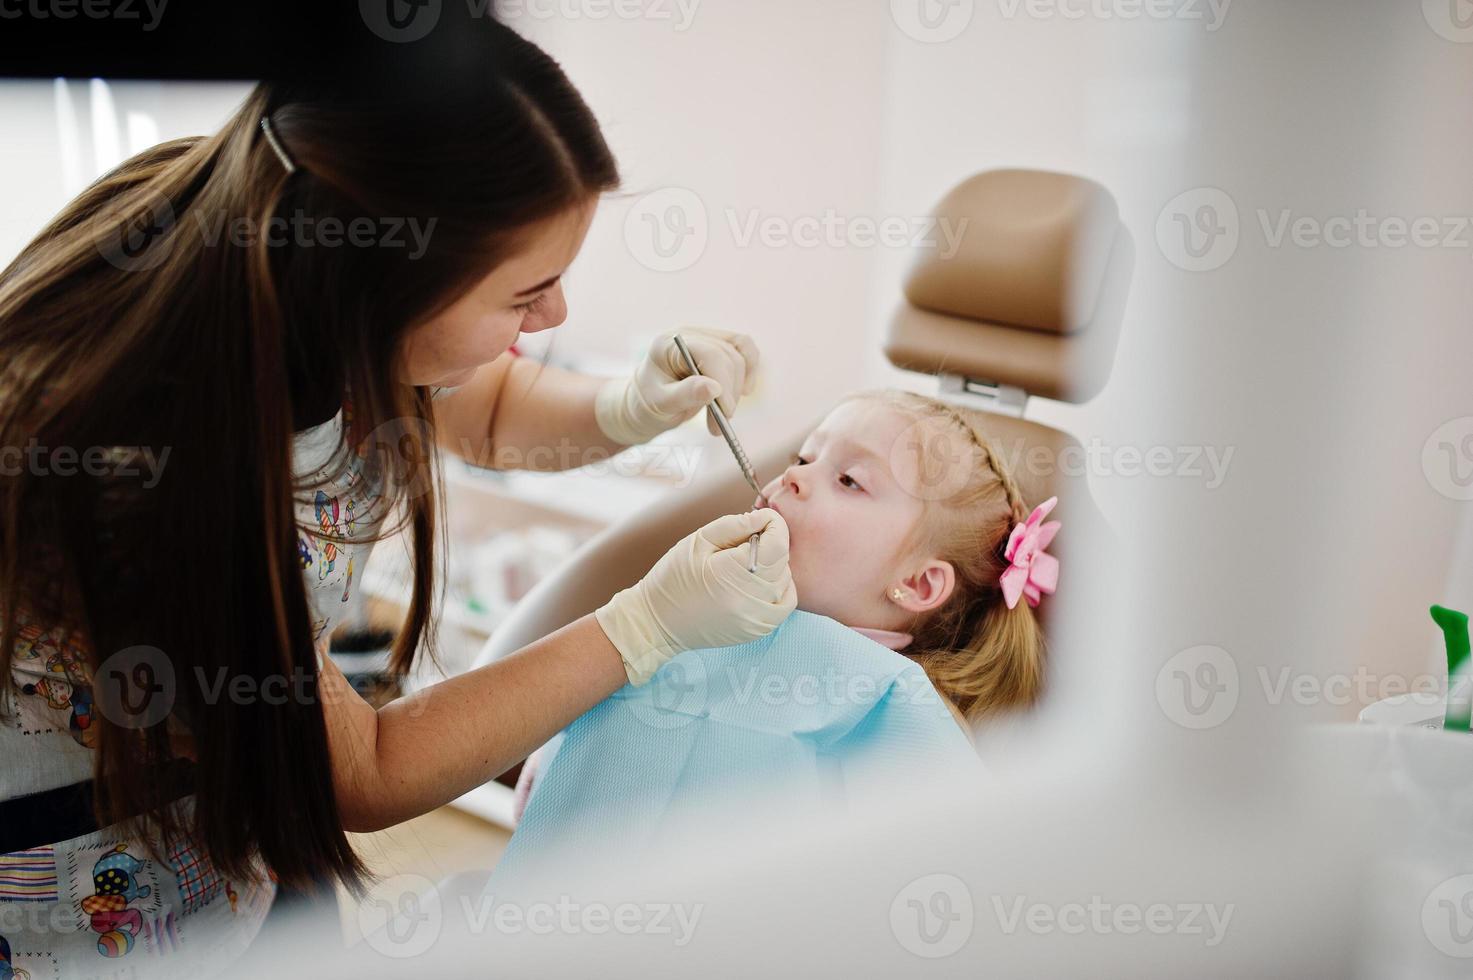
(276, 147)
(1031, 571)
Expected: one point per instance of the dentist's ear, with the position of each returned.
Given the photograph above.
(926, 589)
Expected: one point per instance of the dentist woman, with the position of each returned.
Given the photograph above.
(239, 334)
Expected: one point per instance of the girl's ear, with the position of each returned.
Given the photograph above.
(927, 588)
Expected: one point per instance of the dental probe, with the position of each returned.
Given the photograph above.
(729, 433)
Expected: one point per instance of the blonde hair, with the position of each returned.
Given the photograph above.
(984, 657)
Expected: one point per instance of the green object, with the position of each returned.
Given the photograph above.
(1455, 637)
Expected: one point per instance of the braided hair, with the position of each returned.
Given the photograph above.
(982, 656)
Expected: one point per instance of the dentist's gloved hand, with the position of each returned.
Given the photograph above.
(662, 392)
(700, 594)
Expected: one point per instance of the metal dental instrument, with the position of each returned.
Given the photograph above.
(724, 425)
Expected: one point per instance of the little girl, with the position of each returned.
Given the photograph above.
(905, 525)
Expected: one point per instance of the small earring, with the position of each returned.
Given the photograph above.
(896, 594)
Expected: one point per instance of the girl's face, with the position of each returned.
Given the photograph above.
(849, 511)
(523, 294)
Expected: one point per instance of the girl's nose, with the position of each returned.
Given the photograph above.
(790, 483)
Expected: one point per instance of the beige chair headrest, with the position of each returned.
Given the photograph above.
(1027, 290)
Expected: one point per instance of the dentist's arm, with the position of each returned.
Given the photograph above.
(423, 751)
(420, 752)
(517, 414)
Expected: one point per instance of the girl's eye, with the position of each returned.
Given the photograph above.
(530, 305)
(851, 480)
(797, 460)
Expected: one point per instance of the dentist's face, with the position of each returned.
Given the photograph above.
(848, 515)
(523, 294)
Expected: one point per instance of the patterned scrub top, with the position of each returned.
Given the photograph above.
(99, 905)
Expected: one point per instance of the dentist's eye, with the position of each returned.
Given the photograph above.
(526, 308)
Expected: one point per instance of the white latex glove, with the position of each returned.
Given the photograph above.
(700, 594)
(662, 393)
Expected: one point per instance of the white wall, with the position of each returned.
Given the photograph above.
(60, 136)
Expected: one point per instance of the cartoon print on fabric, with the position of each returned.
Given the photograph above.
(115, 886)
(327, 522)
(66, 685)
(8, 970)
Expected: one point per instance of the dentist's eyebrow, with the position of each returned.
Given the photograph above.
(545, 284)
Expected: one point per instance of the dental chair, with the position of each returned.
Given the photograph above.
(1030, 304)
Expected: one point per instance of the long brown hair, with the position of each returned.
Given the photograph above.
(984, 657)
(123, 325)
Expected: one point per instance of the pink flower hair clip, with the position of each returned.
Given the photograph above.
(1032, 570)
